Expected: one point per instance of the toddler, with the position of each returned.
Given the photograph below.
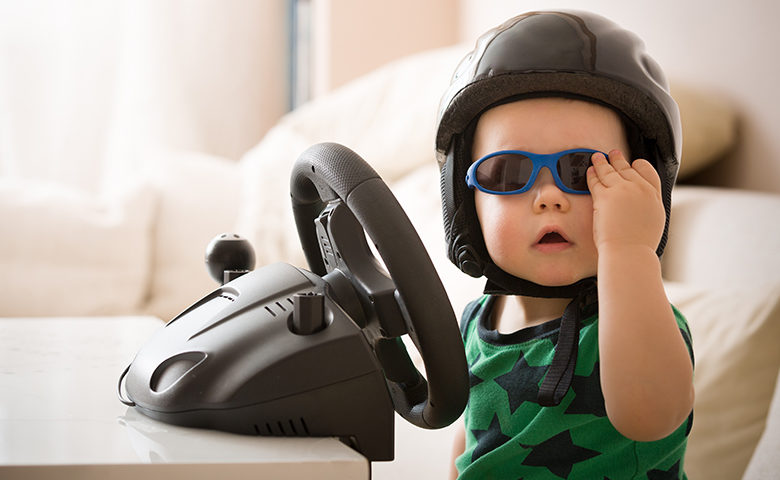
(558, 144)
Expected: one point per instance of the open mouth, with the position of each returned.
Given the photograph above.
(552, 241)
(552, 237)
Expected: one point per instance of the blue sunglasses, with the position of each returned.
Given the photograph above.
(513, 171)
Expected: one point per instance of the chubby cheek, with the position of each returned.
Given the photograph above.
(502, 235)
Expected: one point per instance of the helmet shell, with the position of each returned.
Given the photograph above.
(550, 53)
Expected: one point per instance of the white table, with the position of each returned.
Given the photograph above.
(60, 416)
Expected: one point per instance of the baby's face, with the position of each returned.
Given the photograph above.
(543, 235)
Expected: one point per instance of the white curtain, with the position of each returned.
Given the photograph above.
(90, 88)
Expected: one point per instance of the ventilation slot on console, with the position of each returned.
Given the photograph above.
(279, 307)
(283, 428)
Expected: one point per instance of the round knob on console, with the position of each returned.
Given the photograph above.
(228, 256)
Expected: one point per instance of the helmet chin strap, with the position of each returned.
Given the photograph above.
(584, 295)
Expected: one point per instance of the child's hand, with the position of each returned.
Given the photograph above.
(627, 205)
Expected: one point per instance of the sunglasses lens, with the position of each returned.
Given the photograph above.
(504, 173)
(572, 169)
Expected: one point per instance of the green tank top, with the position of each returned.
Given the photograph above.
(510, 436)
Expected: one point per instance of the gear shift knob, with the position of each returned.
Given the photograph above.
(229, 256)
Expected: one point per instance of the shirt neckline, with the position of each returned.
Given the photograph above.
(494, 337)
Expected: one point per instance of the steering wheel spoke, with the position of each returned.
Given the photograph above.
(344, 248)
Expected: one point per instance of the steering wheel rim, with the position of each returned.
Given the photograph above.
(330, 172)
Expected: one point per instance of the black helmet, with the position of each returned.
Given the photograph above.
(563, 53)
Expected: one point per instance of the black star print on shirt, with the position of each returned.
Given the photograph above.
(521, 383)
(588, 397)
(558, 454)
(673, 472)
(488, 440)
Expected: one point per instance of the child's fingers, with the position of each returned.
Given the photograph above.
(605, 173)
(623, 167)
(594, 184)
(647, 172)
(619, 161)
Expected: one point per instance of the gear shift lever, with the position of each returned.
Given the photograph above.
(228, 256)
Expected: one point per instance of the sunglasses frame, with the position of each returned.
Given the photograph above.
(539, 160)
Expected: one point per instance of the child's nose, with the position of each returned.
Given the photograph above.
(547, 195)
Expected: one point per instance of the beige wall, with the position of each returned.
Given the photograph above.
(353, 37)
(728, 48)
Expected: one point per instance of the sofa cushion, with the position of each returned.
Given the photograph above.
(66, 252)
(709, 125)
(722, 237)
(735, 333)
(764, 462)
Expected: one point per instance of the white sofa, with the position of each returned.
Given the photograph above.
(65, 253)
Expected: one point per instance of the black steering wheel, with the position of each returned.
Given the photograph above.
(337, 199)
